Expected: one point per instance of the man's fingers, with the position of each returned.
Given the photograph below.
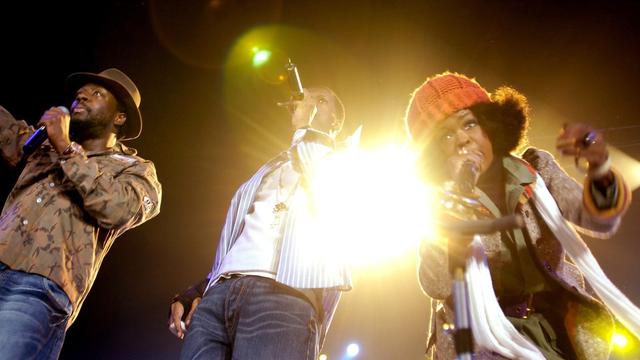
(194, 305)
(53, 113)
(177, 310)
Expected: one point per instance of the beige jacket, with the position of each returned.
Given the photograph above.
(64, 213)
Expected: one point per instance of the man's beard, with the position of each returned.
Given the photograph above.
(92, 128)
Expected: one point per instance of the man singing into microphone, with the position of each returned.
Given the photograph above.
(78, 191)
(271, 293)
(544, 307)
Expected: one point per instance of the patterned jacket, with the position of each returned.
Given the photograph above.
(588, 322)
(65, 212)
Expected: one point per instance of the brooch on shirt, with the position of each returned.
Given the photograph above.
(280, 207)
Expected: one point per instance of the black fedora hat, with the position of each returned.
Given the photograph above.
(122, 87)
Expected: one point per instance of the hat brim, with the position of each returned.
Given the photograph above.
(133, 125)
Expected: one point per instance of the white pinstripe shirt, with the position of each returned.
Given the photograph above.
(296, 267)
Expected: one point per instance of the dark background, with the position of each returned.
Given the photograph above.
(209, 122)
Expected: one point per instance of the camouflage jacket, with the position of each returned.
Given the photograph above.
(65, 212)
(588, 323)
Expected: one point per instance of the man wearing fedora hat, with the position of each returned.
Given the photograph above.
(79, 190)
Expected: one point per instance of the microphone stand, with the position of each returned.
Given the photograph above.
(466, 206)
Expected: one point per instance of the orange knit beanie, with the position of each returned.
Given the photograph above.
(438, 98)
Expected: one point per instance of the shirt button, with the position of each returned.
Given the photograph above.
(52, 184)
(25, 222)
(39, 200)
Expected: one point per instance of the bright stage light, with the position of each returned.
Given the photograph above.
(353, 350)
(619, 340)
(260, 57)
(322, 357)
(371, 207)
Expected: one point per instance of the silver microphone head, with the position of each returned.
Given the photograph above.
(295, 85)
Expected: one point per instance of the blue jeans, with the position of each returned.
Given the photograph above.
(250, 317)
(33, 316)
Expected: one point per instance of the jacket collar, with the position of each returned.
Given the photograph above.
(517, 176)
(118, 148)
(519, 170)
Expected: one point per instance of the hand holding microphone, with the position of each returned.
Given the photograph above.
(467, 176)
(54, 125)
(464, 170)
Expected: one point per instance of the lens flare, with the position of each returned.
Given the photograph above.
(353, 350)
(619, 340)
(261, 57)
(370, 206)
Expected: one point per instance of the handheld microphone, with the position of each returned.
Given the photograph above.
(466, 178)
(295, 85)
(37, 138)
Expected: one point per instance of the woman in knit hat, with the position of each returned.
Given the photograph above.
(544, 309)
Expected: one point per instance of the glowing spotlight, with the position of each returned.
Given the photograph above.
(381, 197)
(353, 350)
(260, 57)
(619, 340)
(322, 357)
